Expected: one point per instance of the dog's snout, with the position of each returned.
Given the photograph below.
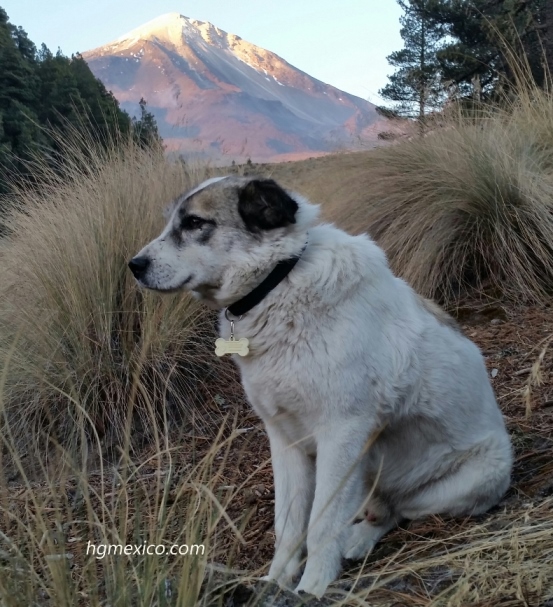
(138, 266)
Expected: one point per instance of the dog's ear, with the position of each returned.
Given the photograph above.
(264, 205)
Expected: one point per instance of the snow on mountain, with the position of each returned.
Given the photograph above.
(215, 92)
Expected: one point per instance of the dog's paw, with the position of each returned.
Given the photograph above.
(360, 541)
(284, 574)
(316, 587)
(358, 548)
(317, 577)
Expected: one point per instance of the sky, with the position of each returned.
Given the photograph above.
(341, 42)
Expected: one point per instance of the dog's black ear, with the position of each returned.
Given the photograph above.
(264, 205)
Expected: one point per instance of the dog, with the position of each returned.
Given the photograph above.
(377, 407)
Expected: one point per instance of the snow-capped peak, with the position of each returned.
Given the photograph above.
(175, 29)
(167, 27)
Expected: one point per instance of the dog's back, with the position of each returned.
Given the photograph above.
(443, 437)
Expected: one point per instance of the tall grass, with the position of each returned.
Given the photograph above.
(62, 539)
(91, 366)
(467, 209)
(73, 324)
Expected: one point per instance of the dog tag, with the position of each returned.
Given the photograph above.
(232, 346)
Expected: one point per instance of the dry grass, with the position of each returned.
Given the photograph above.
(91, 367)
(536, 375)
(467, 208)
(54, 534)
(74, 328)
(470, 564)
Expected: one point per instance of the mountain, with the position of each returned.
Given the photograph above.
(213, 92)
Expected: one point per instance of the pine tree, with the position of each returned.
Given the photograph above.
(102, 107)
(145, 128)
(415, 88)
(20, 136)
(483, 36)
(59, 95)
(40, 91)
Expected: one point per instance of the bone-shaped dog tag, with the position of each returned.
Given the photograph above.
(232, 346)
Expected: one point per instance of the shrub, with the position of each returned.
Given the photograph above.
(468, 208)
(74, 327)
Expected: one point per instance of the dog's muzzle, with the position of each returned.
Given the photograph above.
(139, 266)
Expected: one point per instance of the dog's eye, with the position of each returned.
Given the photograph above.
(191, 222)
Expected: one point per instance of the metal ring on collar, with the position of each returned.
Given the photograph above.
(233, 319)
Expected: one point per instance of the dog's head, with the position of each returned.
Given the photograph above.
(227, 230)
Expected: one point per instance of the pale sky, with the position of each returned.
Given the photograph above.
(341, 42)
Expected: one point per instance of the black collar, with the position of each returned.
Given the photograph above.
(277, 275)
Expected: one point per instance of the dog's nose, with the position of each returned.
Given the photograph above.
(138, 266)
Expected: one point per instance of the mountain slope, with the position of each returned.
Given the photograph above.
(215, 92)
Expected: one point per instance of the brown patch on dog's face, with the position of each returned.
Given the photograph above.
(210, 201)
(232, 204)
(199, 215)
(257, 204)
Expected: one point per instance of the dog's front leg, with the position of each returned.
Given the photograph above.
(294, 474)
(339, 493)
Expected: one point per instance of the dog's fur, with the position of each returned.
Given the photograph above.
(372, 398)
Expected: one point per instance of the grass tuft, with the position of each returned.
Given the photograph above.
(62, 539)
(468, 208)
(78, 340)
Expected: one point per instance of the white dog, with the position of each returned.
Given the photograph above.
(375, 403)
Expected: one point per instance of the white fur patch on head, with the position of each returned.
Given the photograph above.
(203, 185)
(168, 213)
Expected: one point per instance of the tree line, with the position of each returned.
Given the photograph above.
(41, 94)
(466, 49)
